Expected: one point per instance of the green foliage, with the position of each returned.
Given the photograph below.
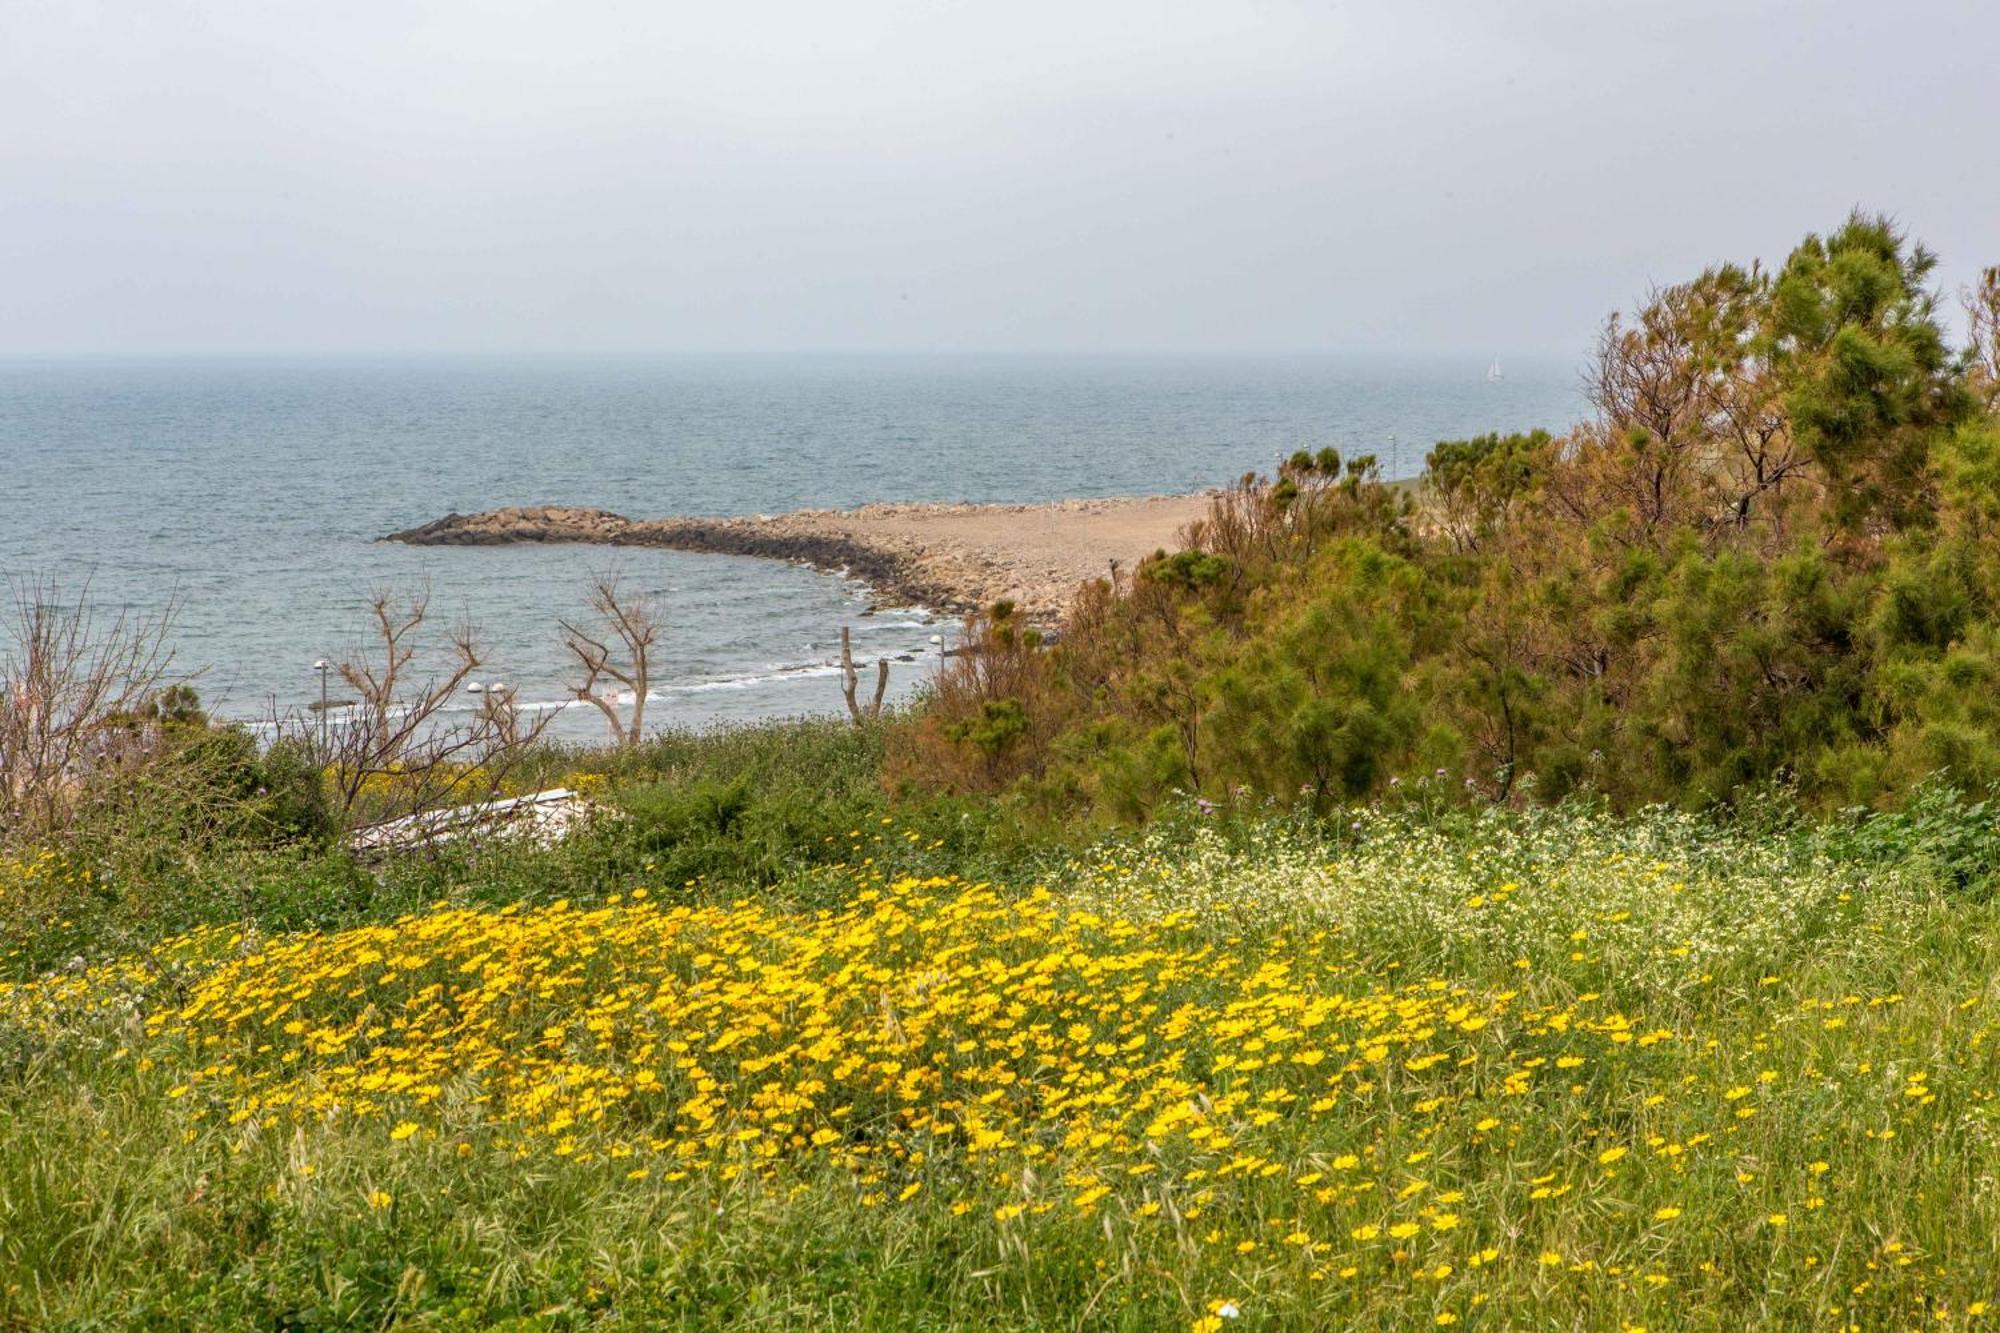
(1316, 703)
(1189, 571)
(1477, 483)
(999, 727)
(1855, 328)
(1938, 830)
(296, 803)
(179, 705)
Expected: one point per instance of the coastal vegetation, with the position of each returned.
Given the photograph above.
(1562, 892)
(1769, 559)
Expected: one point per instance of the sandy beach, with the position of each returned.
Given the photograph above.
(947, 556)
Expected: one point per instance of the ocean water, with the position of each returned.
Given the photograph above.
(251, 494)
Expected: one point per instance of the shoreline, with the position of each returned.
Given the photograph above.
(947, 556)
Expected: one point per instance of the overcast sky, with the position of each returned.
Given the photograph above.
(1217, 175)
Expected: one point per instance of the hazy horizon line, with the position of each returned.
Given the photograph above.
(1134, 353)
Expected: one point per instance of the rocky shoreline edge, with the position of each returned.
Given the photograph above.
(890, 576)
(944, 557)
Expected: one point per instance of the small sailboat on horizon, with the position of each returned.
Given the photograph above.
(1493, 375)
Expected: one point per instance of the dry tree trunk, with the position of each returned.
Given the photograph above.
(633, 622)
(850, 679)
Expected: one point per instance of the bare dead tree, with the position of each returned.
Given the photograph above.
(398, 750)
(619, 651)
(1982, 311)
(71, 686)
(850, 680)
(395, 625)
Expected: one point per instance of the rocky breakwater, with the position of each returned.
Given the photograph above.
(508, 527)
(950, 557)
(782, 537)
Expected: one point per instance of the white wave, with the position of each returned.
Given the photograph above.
(773, 676)
(903, 659)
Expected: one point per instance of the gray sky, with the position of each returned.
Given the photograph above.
(1216, 175)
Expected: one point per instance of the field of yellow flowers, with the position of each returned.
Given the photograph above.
(1561, 1072)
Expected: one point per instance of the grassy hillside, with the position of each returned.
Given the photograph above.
(1404, 1071)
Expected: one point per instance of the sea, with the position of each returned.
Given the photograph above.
(249, 496)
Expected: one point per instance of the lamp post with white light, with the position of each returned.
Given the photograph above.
(322, 667)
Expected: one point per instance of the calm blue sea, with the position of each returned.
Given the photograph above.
(254, 492)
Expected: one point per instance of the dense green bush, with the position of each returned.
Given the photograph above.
(1940, 829)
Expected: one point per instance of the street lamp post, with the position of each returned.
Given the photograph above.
(321, 667)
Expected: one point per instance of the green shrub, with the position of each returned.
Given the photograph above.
(1939, 829)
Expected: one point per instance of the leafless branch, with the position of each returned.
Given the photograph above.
(632, 623)
(397, 751)
(70, 688)
(1982, 308)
